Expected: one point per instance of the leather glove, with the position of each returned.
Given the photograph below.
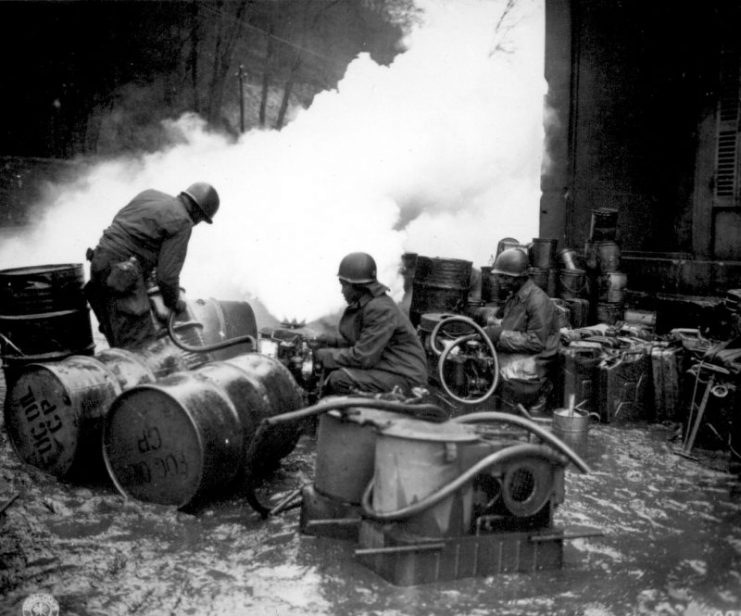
(494, 332)
(180, 306)
(324, 357)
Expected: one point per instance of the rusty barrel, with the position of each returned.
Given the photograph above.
(53, 414)
(177, 441)
(439, 285)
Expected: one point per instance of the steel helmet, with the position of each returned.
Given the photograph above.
(357, 268)
(205, 197)
(512, 262)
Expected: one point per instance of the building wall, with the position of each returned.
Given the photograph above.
(633, 93)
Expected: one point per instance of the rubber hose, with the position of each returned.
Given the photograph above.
(543, 434)
(424, 411)
(208, 347)
(433, 499)
(444, 357)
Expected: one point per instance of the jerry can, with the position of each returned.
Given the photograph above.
(624, 381)
(665, 371)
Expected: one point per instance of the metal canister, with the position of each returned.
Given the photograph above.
(569, 259)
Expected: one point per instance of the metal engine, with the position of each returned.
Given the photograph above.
(291, 346)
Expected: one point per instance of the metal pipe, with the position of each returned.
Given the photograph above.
(400, 549)
(206, 347)
(532, 427)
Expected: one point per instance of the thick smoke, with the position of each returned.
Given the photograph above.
(438, 153)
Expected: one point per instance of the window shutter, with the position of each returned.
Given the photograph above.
(727, 142)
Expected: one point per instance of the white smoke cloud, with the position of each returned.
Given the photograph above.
(438, 153)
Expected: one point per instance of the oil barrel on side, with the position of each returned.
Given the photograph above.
(172, 442)
(54, 412)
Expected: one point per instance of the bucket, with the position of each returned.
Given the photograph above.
(611, 287)
(608, 256)
(439, 285)
(609, 313)
(572, 283)
(572, 427)
(570, 260)
(413, 460)
(54, 412)
(604, 224)
(346, 450)
(546, 279)
(542, 253)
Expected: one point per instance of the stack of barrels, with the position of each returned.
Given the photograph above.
(602, 253)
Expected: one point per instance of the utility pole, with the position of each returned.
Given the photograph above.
(241, 98)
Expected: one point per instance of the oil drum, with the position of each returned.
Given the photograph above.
(415, 459)
(187, 436)
(54, 412)
(259, 387)
(172, 441)
(439, 285)
(44, 315)
(223, 320)
(42, 288)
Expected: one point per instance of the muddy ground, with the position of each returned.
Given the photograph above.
(671, 545)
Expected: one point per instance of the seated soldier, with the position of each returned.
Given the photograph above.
(377, 348)
(526, 337)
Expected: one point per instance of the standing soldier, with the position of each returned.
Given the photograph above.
(150, 233)
(377, 348)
